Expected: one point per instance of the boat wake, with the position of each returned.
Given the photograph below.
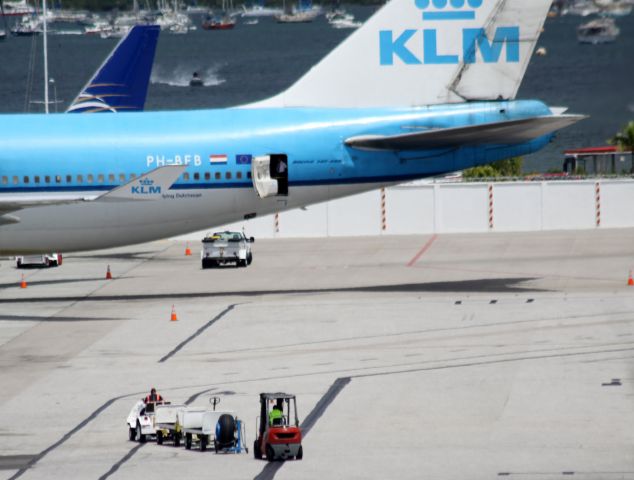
(180, 76)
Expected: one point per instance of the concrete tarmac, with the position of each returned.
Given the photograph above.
(445, 357)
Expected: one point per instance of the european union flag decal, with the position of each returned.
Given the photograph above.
(243, 159)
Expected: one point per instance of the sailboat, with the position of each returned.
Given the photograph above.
(259, 10)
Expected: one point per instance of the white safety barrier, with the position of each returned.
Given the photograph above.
(422, 208)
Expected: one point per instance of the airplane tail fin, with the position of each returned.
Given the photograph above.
(121, 83)
(425, 52)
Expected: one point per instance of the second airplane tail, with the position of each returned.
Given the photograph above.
(425, 52)
(121, 82)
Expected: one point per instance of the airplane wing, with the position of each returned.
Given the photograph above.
(149, 186)
(498, 133)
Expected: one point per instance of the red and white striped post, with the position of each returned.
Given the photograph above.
(383, 212)
(490, 206)
(597, 203)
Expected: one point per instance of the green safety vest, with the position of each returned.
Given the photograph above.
(274, 415)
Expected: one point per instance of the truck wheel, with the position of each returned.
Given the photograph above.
(140, 437)
(300, 453)
(159, 437)
(131, 434)
(249, 259)
(270, 455)
(203, 442)
(177, 439)
(242, 263)
(257, 453)
(188, 441)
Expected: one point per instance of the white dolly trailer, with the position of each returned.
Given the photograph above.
(204, 426)
(166, 424)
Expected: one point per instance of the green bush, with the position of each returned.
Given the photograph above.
(511, 167)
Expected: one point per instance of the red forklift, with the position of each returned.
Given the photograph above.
(279, 435)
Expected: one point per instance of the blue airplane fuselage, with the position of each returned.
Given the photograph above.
(313, 139)
(90, 154)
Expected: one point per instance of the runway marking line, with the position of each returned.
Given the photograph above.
(422, 250)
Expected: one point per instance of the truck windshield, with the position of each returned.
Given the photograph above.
(224, 237)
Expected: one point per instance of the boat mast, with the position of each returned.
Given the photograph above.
(45, 56)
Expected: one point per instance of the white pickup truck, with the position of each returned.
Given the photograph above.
(44, 260)
(226, 247)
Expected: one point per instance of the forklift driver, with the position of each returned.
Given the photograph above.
(275, 416)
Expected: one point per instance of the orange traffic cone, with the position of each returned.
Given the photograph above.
(630, 280)
(108, 274)
(173, 318)
(188, 251)
(23, 282)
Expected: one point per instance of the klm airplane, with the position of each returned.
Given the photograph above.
(425, 87)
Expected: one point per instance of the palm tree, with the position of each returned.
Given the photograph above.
(625, 140)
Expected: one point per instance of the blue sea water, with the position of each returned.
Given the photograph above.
(253, 62)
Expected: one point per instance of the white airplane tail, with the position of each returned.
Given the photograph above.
(425, 52)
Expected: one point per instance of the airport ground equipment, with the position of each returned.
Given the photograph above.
(166, 424)
(226, 247)
(198, 426)
(140, 420)
(230, 435)
(44, 260)
(280, 439)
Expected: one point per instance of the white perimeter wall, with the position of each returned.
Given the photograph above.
(456, 207)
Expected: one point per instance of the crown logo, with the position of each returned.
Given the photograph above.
(449, 9)
(146, 181)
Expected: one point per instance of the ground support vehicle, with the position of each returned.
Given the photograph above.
(166, 424)
(226, 247)
(140, 421)
(278, 438)
(44, 260)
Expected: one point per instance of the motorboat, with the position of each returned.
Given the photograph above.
(343, 20)
(260, 11)
(27, 28)
(224, 23)
(600, 30)
(196, 81)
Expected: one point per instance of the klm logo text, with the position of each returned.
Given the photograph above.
(146, 187)
(418, 47)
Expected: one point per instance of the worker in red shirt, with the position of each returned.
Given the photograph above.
(153, 397)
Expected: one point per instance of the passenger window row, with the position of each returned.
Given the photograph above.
(101, 178)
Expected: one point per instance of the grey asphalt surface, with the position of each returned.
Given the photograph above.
(484, 356)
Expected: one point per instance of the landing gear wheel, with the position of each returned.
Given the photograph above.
(257, 453)
(300, 453)
(139, 436)
(188, 441)
(242, 263)
(203, 443)
(216, 447)
(270, 455)
(159, 437)
(249, 259)
(131, 434)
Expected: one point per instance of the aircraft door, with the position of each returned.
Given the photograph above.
(269, 174)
